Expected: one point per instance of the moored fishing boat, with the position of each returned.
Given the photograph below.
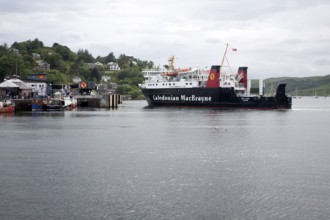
(213, 88)
(61, 102)
(6, 107)
(66, 103)
(39, 103)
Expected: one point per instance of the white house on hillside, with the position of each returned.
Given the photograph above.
(113, 66)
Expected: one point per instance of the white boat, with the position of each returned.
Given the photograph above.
(66, 103)
(60, 102)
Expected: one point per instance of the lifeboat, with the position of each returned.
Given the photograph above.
(171, 73)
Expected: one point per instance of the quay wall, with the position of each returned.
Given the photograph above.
(22, 104)
(104, 101)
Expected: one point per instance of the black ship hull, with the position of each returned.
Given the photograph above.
(215, 97)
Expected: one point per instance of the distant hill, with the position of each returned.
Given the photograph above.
(300, 86)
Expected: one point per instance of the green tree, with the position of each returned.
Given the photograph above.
(20, 47)
(58, 78)
(6, 67)
(80, 69)
(124, 89)
(107, 59)
(136, 94)
(33, 46)
(124, 61)
(28, 47)
(55, 60)
(85, 56)
(11, 64)
(65, 52)
(110, 58)
(96, 74)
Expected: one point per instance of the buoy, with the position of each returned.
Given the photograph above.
(83, 85)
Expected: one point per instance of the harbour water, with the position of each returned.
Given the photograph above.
(167, 163)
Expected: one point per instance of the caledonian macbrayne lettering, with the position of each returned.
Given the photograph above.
(182, 98)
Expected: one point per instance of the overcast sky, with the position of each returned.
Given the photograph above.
(272, 37)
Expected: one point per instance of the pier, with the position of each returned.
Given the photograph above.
(22, 104)
(104, 101)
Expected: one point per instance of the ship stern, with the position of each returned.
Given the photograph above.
(282, 101)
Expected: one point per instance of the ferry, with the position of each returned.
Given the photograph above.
(196, 87)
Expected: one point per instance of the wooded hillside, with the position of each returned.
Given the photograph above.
(62, 65)
(304, 86)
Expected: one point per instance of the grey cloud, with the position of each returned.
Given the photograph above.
(322, 62)
(280, 35)
(213, 41)
(33, 6)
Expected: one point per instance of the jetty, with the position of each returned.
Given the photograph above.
(104, 101)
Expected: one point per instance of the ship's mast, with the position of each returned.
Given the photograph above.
(224, 57)
(171, 63)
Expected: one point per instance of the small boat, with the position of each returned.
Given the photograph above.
(38, 104)
(6, 107)
(65, 103)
